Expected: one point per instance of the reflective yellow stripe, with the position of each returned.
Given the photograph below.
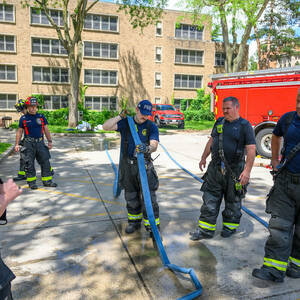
(135, 217)
(46, 178)
(51, 169)
(231, 225)
(29, 179)
(295, 261)
(279, 265)
(207, 226)
(21, 173)
(147, 223)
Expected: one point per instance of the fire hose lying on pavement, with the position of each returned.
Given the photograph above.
(149, 209)
(246, 210)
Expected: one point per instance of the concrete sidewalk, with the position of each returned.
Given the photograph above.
(69, 242)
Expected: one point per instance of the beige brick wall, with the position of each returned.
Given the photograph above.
(136, 64)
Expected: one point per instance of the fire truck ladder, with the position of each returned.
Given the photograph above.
(260, 73)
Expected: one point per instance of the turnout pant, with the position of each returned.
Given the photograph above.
(283, 203)
(22, 160)
(215, 186)
(130, 180)
(36, 149)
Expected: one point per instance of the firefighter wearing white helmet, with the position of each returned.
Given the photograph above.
(34, 125)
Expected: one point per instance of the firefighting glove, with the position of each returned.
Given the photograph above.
(142, 148)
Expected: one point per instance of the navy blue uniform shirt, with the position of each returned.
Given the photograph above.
(142, 132)
(231, 137)
(34, 124)
(292, 139)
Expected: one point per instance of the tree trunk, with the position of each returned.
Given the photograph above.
(268, 54)
(259, 58)
(73, 101)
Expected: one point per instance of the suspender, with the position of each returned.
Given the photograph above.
(238, 186)
(288, 121)
(43, 124)
(26, 128)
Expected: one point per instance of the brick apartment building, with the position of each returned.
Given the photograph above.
(164, 62)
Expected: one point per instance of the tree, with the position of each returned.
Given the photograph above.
(274, 34)
(141, 13)
(226, 13)
(252, 65)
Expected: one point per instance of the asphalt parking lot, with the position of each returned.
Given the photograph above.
(69, 242)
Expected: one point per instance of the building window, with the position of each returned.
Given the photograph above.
(52, 75)
(220, 59)
(159, 29)
(100, 22)
(55, 101)
(8, 101)
(100, 103)
(101, 50)
(157, 79)
(189, 32)
(47, 46)
(7, 43)
(100, 77)
(177, 103)
(8, 73)
(158, 54)
(39, 17)
(183, 81)
(188, 57)
(157, 100)
(7, 13)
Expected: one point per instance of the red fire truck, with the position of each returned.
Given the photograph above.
(264, 97)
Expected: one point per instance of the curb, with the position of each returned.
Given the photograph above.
(84, 134)
(6, 153)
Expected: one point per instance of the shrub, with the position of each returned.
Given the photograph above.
(199, 108)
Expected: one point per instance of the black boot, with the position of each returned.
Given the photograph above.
(33, 185)
(19, 178)
(226, 232)
(3, 219)
(293, 271)
(132, 227)
(266, 274)
(199, 234)
(49, 183)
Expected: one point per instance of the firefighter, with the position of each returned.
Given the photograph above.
(129, 173)
(282, 249)
(34, 125)
(20, 107)
(227, 174)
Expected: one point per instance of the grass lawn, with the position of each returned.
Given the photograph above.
(4, 147)
(190, 125)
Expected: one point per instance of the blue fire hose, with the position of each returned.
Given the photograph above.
(149, 209)
(246, 210)
(116, 188)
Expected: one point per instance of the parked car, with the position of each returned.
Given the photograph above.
(167, 114)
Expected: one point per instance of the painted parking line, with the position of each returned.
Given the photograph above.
(83, 181)
(76, 196)
(63, 218)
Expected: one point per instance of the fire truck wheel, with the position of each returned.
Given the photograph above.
(157, 122)
(263, 142)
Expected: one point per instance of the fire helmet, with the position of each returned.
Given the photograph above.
(20, 105)
(31, 101)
